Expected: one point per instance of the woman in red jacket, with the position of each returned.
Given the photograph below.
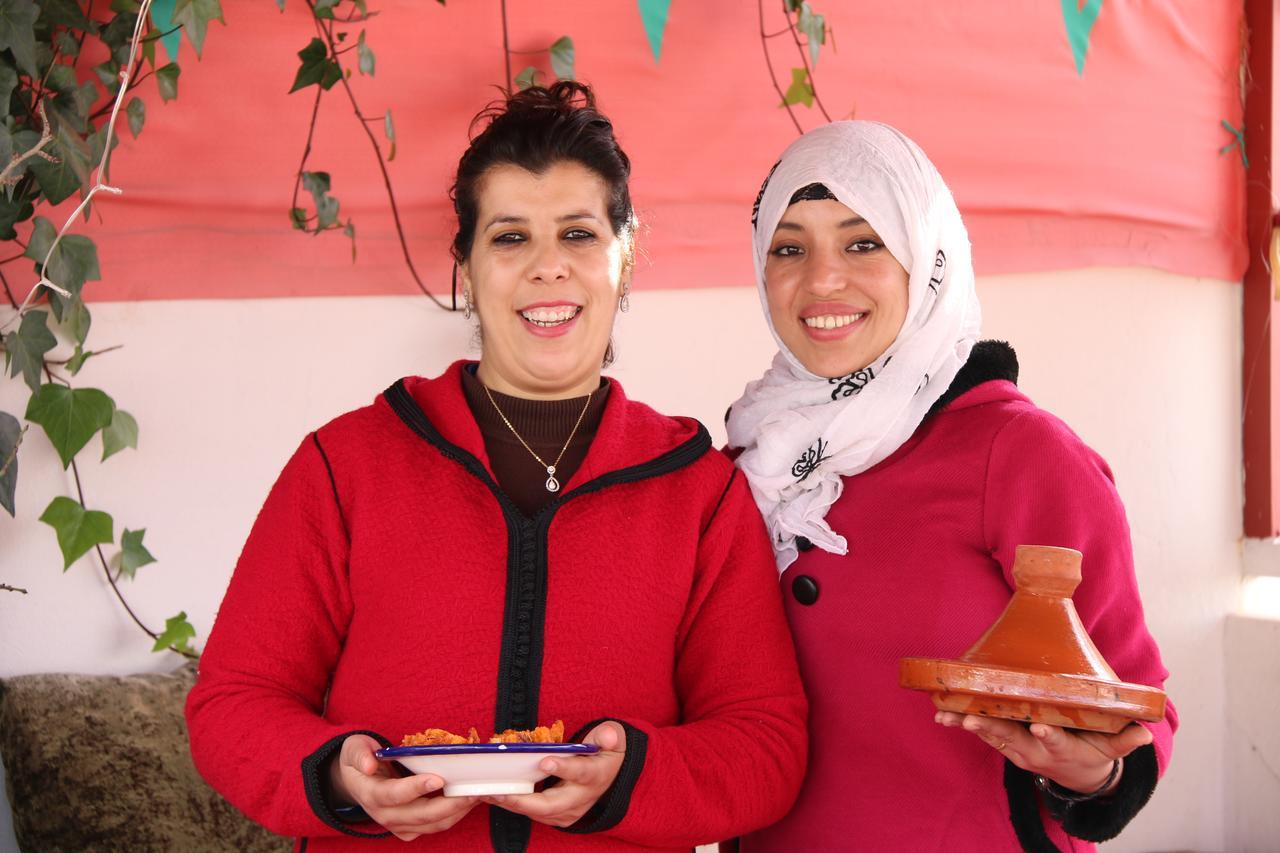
(898, 466)
(511, 543)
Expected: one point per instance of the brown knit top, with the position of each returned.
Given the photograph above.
(544, 424)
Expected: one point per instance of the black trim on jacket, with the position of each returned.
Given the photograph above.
(988, 361)
(1095, 820)
(733, 475)
(333, 483)
(612, 806)
(1103, 819)
(524, 614)
(315, 781)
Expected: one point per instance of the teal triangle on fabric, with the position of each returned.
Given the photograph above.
(1080, 20)
(653, 13)
(162, 18)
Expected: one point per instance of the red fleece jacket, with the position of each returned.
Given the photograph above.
(388, 586)
(931, 533)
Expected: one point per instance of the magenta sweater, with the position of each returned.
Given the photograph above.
(931, 532)
(388, 585)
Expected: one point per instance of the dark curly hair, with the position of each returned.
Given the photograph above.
(535, 129)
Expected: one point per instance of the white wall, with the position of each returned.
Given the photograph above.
(1144, 365)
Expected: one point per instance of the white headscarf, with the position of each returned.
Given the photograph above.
(801, 432)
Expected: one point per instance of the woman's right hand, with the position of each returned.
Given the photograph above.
(406, 806)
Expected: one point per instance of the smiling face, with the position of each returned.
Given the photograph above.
(545, 272)
(836, 295)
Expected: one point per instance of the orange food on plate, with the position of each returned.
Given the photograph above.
(542, 734)
(439, 737)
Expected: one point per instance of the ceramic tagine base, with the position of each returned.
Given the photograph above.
(1037, 664)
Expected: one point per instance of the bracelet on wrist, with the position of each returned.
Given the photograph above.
(1066, 795)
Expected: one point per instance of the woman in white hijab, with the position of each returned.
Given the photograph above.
(897, 467)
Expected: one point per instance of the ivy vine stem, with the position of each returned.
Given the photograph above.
(306, 151)
(813, 85)
(6, 588)
(506, 51)
(98, 185)
(102, 559)
(326, 33)
(773, 77)
(7, 291)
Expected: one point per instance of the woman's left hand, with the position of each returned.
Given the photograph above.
(1076, 760)
(583, 780)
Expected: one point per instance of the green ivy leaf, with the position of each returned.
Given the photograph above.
(74, 262)
(562, 58)
(815, 29)
(177, 631)
(136, 110)
(317, 183)
(792, 5)
(280, 3)
(10, 439)
(131, 7)
(800, 91)
(8, 82)
(97, 140)
(122, 432)
(350, 231)
(316, 68)
(24, 349)
(22, 141)
(67, 13)
(17, 33)
(133, 554)
(78, 529)
(78, 359)
(69, 416)
(118, 33)
(368, 62)
(61, 180)
(108, 75)
(73, 100)
(167, 81)
(324, 9)
(76, 320)
(298, 217)
(389, 127)
(527, 78)
(66, 44)
(13, 211)
(194, 16)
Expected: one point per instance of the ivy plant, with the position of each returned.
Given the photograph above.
(69, 74)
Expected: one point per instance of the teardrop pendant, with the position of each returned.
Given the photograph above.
(553, 485)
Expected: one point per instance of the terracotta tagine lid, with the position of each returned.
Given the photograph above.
(1036, 664)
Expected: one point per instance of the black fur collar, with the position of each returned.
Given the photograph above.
(988, 361)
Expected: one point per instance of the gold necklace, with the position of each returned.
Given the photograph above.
(553, 485)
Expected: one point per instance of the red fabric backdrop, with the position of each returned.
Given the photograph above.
(1120, 164)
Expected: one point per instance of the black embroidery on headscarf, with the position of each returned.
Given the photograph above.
(939, 270)
(813, 192)
(853, 383)
(755, 208)
(809, 461)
